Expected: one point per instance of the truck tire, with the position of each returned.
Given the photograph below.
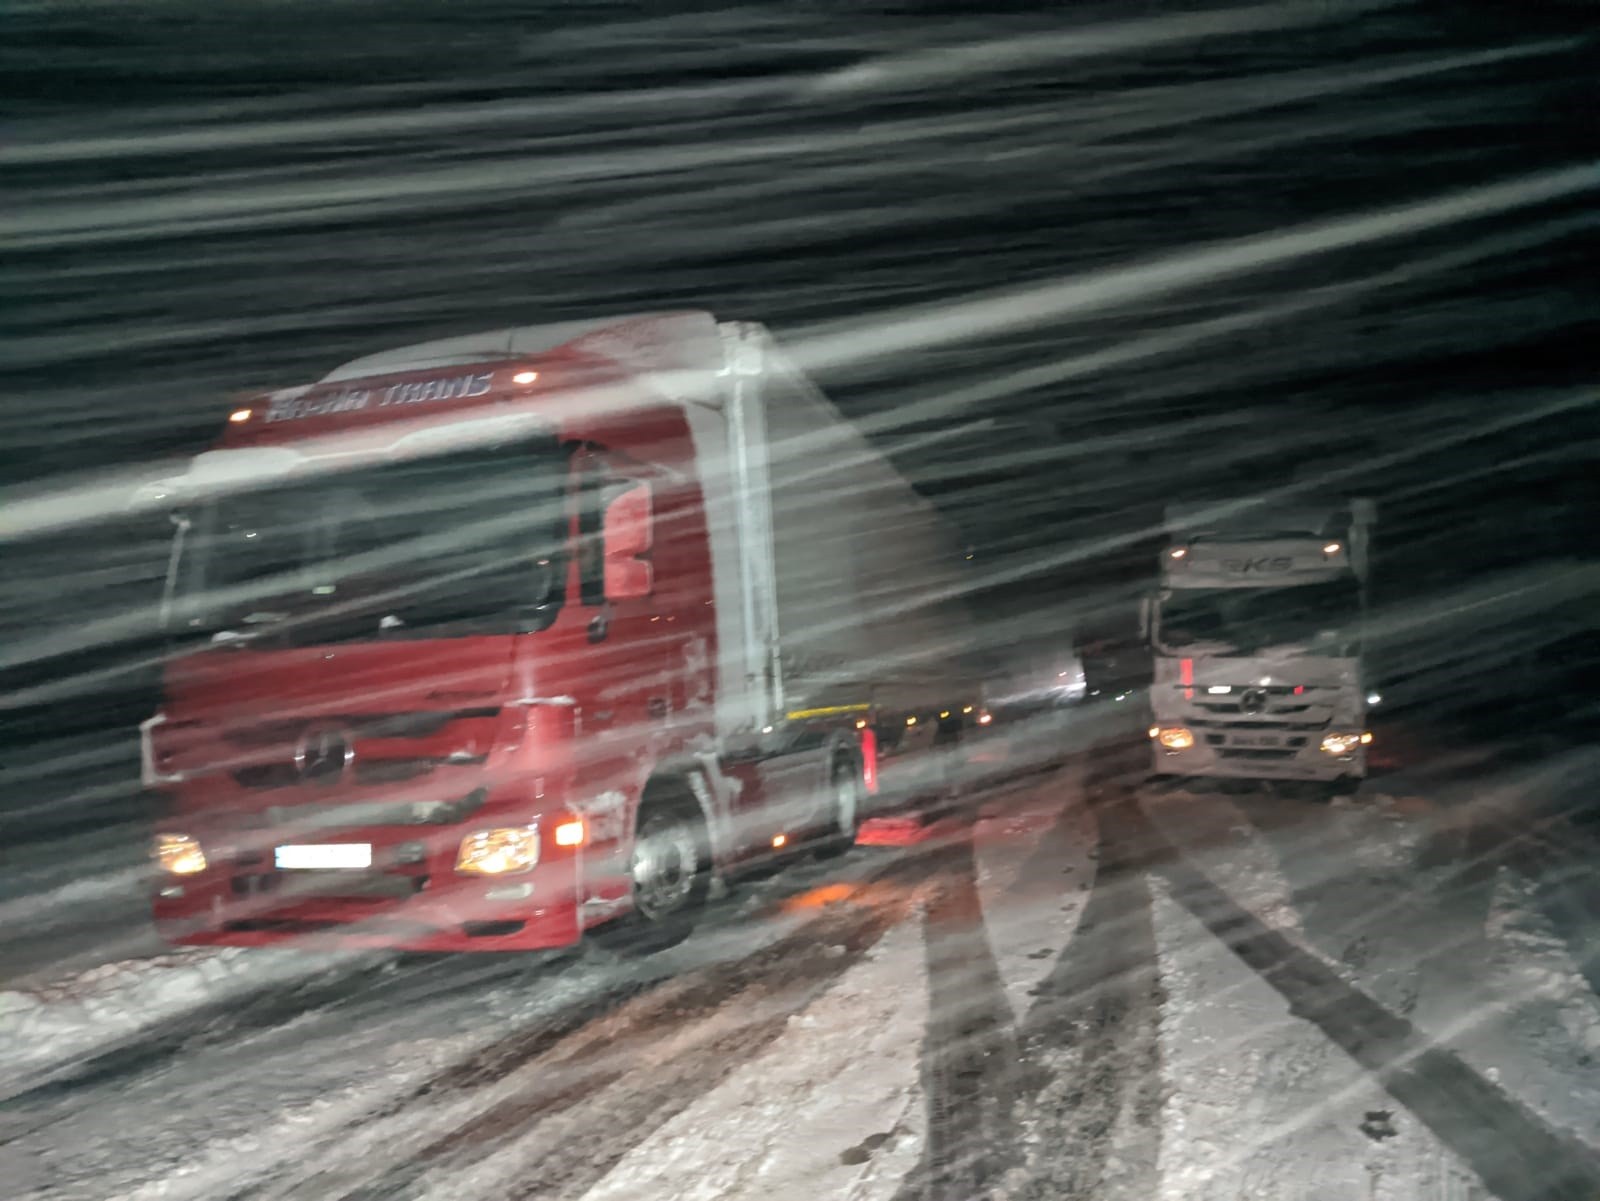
(670, 866)
(847, 790)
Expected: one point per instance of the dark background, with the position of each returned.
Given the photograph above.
(211, 198)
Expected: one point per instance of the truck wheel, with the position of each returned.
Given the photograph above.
(846, 788)
(670, 869)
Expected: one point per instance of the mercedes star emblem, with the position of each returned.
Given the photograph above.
(1253, 701)
(322, 753)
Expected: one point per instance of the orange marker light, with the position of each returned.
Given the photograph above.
(524, 377)
(779, 840)
(570, 834)
(239, 416)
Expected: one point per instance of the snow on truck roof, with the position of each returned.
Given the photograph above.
(390, 402)
(631, 334)
(1250, 520)
(672, 351)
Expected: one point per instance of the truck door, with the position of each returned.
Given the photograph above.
(633, 661)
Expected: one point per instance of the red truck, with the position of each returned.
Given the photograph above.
(486, 642)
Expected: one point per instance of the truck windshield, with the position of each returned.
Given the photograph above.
(460, 543)
(1320, 619)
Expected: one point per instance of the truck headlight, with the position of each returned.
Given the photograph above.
(1343, 744)
(178, 854)
(1174, 738)
(498, 852)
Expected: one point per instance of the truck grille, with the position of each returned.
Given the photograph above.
(261, 776)
(1273, 706)
(267, 775)
(1215, 731)
(384, 746)
(421, 724)
(351, 815)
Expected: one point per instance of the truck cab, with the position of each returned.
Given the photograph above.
(1256, 634)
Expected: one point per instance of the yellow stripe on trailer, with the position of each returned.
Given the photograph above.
(826, 711)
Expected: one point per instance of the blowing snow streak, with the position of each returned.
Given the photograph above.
(1056, 270)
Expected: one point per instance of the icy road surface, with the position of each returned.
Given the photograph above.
(1089, 989)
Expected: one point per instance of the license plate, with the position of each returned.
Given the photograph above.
(1255, 740)
(347, 856)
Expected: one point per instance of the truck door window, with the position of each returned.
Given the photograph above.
(602, 476)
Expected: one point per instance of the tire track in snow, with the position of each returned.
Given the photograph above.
(1516, 1154)
(576, 1120)
(1551, 1013)
(390, 1103)
(1063, 1104)
(1035, 873)
(1532, 822)
(1403, 898)
(975, 1045)
(1260, 1104)
(375, 1130)
(256, 1008)
(970, 1054)
(1091, 1039)
(601, 1088)
(831, 1109)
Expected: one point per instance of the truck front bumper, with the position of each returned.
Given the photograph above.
(1225, 756)
(417, 910)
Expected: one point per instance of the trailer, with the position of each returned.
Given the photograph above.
(485, 643)
(1256, 634)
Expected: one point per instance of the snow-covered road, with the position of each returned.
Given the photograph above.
(1090, 990)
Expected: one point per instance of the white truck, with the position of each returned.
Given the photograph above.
(1256, 635)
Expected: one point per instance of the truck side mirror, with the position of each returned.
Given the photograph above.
(629, 535)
